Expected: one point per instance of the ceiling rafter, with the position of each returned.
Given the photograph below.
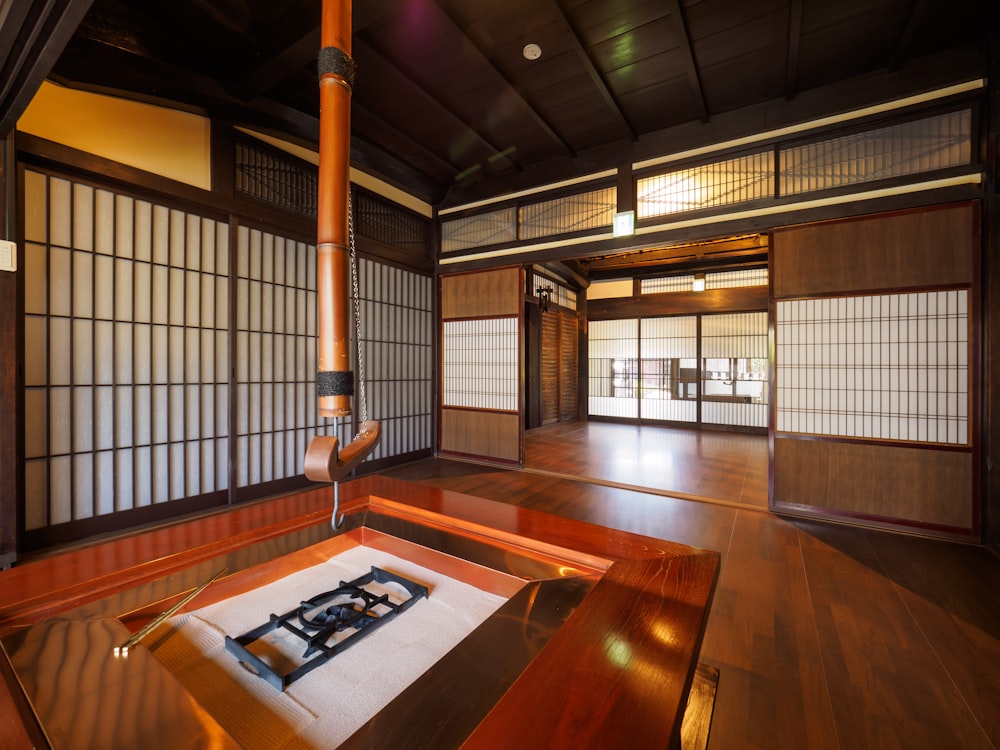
(415, 145)
(687, 51)
(592, 71)
(906, 38)
(300, 53)
(483, 51)
(794, 40)
(279, 68)
(361, 40)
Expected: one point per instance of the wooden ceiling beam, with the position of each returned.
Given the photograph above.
(302, 52)
(687, 51)
(362, 41)
(398, 134)
(480, 46)
(906, 38)
(595, 75)
(794, 40)
(279, 68)
(40, 33)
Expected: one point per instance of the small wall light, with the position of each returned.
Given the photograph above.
(698, 285)
(624, 224)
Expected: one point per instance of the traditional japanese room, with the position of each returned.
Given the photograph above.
(499, 374)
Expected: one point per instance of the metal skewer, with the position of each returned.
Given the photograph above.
(153, 624)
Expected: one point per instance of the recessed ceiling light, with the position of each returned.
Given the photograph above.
(531, 51)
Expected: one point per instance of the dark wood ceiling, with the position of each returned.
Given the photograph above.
(445, 103)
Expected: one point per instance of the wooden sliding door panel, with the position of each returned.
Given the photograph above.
(482, 319)
(925, 248)
(478, 434)
(924, 486)
(876, 337)
(482, 294)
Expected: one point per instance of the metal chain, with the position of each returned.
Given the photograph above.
(362, 397)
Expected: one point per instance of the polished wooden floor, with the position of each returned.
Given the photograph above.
(712, 465)
(825, 636)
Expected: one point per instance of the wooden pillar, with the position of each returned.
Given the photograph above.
(991, 305)
(10, 346)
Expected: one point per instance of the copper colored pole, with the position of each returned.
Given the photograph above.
(324, 461)
(335, 381)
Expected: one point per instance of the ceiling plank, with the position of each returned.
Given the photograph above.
(498, 153)
(906, 38)
(690, 66)
(41, 36)
(398, 134)
(592, 71)
(794, 39)
(279, 68)
(303, 51)
(480, 46)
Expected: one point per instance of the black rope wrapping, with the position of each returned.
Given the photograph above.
(334, 383)
(335, 60)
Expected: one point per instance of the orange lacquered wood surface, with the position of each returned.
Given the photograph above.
(616, 670)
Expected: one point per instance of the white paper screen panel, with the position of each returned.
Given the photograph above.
(722, 183)
(891, 366)
(126, 352)
(483, 229)
(481, 364)
(613, 347)
(397, 333)
(734, 335)
(733, 341)
(908, 148)
(276, 410)
(721, 280)
(573, 213)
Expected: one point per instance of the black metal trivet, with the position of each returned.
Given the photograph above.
(349, 607)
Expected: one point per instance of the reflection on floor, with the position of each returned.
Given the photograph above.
(724, 467)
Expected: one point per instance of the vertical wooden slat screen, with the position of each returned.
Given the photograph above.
(481, 402)
(560, 363)
(569, 397)
(876, 333)
(550, 368)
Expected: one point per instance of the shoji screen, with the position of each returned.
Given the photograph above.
(127, 360)
(276, 413)
(481, 364)
(669, 368)
(613, 361)
(876, 331)
(397, 331)
(734, 369)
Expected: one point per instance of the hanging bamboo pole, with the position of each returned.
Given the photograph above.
(334, 379)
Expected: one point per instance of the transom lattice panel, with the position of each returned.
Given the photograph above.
(895, 151)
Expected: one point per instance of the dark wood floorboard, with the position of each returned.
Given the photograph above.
(728, 467)
(825, 636)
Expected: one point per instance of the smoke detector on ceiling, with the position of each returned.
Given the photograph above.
(531, 51)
